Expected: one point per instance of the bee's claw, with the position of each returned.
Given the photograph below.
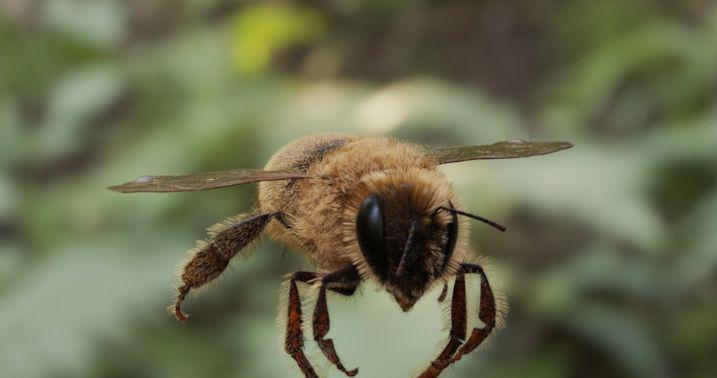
(182, 317)
(176, 309)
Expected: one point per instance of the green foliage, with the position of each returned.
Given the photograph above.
(261, 30)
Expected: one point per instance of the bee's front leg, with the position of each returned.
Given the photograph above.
(486, 313)
(458, 329)
(342, 281)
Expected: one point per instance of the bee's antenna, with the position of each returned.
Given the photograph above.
(469, 215)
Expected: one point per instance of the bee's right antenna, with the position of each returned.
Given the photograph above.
(469, 215)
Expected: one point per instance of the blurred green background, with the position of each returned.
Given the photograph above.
(610, 262)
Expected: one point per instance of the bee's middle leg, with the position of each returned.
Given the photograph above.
(459, 325)
(343, 281)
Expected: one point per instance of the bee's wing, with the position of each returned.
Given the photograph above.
(502, 150)
(203, 180)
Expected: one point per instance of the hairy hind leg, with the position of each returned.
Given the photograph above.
(211, 258)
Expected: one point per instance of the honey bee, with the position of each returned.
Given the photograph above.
(361, 209)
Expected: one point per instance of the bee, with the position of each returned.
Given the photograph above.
(361, 209)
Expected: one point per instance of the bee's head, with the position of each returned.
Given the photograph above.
(404, 241)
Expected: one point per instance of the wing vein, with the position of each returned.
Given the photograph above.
(203, 180)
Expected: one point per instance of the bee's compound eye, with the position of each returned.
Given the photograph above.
(370, 219)
(370, 234)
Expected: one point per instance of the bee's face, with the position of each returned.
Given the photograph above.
(407, 246)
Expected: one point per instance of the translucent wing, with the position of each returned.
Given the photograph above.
(509, 149)
(203, 180)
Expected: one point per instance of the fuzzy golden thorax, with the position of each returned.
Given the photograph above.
(396, 235)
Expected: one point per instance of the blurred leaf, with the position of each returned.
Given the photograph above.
(619, 77)
(48, 322)
(261, 30)
(697, 254)
(597, 269)
(99, 23)
(619, 336)
(73, 102)
(11, 263)
(545, 364)
(12, 136)
(608, 194)
(9, 197)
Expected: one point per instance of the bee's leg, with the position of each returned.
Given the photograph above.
(343, 281)
(210, 259)
(486, 312)
(458, 329)
(294, 341)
